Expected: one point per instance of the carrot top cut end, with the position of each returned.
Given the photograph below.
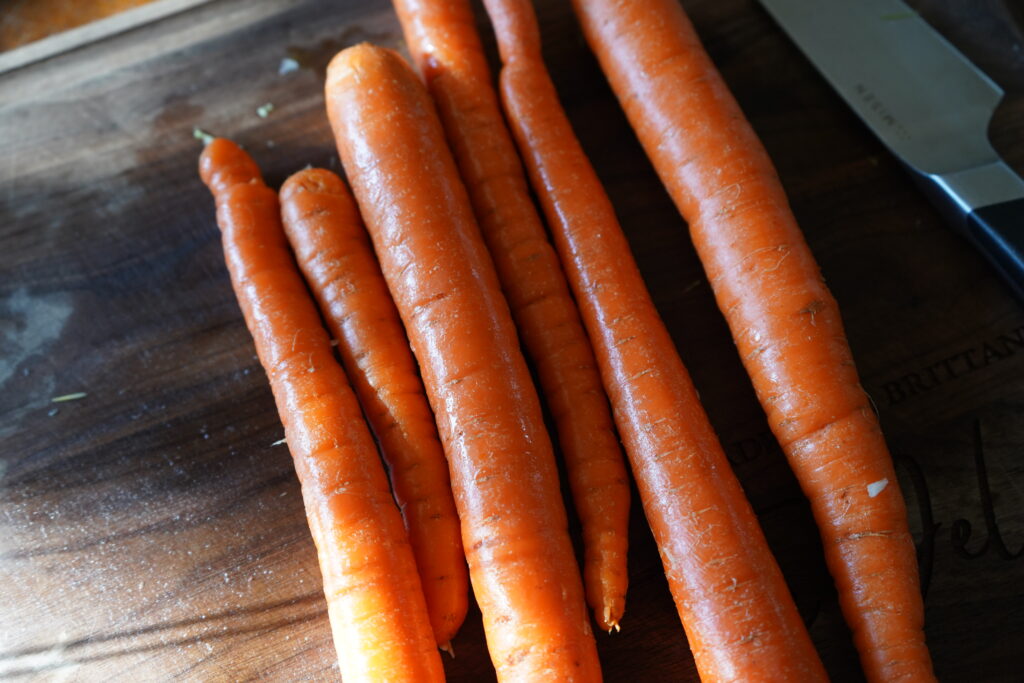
(356, 60)
(223, 164)
(313, 181)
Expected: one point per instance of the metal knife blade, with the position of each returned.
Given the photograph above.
(927, 103)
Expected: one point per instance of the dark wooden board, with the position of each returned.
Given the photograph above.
(151, 530)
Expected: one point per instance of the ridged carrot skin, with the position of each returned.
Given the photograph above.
(738, 614)
(334, 253)
(442, 38)
(784, 320)
(376, 607)
(502, 466)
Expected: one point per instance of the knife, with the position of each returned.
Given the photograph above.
(928, 104)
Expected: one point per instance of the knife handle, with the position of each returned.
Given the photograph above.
(998, 231)
(986, 204)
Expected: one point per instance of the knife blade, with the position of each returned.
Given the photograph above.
(928, 104)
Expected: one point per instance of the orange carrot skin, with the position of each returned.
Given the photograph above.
(502, 466)
(442, 38)
(330, 243)
(784, 320)
(739, 617)
(376, 607)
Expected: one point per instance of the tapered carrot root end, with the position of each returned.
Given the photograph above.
(605, 578)
(438, 552)
(447, 647)
(446, 621)
(609, 615)
(608, 623)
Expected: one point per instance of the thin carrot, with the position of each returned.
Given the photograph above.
(503, 473)
(442, 38)
(374, 600)
(738, 614)
(784, 320)
(327, 235)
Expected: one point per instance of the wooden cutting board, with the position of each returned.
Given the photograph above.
(153, 530)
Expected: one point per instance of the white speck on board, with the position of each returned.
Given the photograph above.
(288, 65)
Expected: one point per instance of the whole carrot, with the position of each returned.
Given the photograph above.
(784, 320)
(323, 225)
(738, 614)
(374, 600)
(442, 38)
(502, 466)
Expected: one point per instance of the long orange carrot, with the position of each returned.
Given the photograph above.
(784, 320)
(502, 466)
(442, 38)
(334, 253)
(374, 600)
(738, 614)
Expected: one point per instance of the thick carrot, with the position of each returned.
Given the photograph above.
(784, 320)
(738, 614)
(442, 38)
(334, 253)
(374, 600)
(503, 473)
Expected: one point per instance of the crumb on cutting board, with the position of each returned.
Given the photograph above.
(287, 66)
(69, 397)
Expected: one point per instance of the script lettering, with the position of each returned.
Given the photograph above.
(953, 366)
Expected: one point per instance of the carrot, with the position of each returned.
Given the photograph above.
(377, 612)
(738, 614)
(323, 225)
(784, 320)
(442, 38)
(502, 467)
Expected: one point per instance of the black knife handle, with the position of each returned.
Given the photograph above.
(998, 230)
(986, 204)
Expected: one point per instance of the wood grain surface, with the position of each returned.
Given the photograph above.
(152, 530)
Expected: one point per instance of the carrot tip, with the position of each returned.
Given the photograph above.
(608, 622)
(447, 647)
